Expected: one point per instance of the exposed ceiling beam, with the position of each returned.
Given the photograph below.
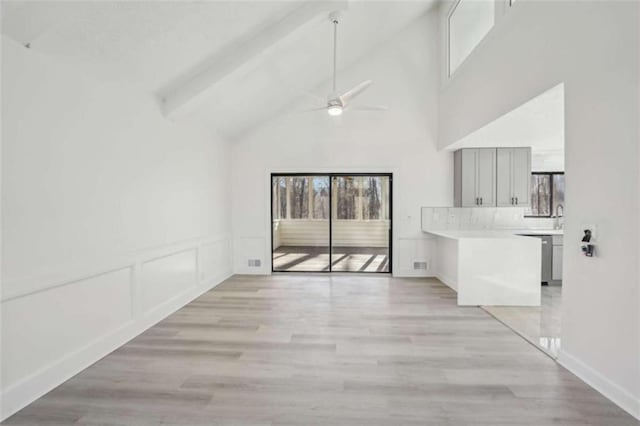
(186, 92)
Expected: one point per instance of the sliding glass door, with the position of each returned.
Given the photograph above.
(331, 222)
(300, 223)
(361, 226)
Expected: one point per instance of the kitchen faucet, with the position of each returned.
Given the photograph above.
(559, 223)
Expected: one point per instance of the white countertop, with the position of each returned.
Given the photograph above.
(539, 231)
(493, 233)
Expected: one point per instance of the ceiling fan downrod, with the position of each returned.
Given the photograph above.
(335, 50)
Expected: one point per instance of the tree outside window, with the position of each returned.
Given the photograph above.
(299, 198)
(372, 198)
(347, 197)
(307, 197)
(547, 195)
(321, 197)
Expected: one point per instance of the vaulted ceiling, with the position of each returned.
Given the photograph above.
(232, 64)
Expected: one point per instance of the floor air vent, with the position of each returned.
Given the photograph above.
(419, 265)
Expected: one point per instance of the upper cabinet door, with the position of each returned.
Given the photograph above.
(521, 176)
(504, 168)
(467, 174)
(475, 177)
(486, 177)
(513, 183)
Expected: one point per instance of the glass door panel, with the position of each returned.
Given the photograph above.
(300, 221)
(361, 223)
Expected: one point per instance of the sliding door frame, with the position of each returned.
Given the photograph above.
(331, 176)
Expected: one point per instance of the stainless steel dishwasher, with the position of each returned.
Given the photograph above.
(547, 257)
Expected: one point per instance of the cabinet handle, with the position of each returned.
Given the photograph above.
(480, 200)
(477, 201)
(516, 201)
(512, 201)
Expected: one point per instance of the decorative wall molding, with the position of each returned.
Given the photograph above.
(406, 250)
(69, 274)
(251, 247)
(55, 371)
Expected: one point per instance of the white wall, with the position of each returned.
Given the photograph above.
(112, 218)
(401, 140)
(592, 47)
(547, 161)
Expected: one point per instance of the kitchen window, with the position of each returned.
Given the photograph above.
(547, 195)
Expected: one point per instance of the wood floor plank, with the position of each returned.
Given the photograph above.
(325, 350)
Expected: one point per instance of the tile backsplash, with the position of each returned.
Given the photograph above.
(463, 218)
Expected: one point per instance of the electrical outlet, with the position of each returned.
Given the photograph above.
(254, 263)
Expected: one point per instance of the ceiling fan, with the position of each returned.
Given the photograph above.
(337, 103)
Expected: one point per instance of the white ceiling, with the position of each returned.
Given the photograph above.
(144, 43)
(154, 45)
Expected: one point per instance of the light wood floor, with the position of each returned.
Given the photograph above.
(325, 350)
(539, 325)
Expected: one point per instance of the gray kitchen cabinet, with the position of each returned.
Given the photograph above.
(475, 177)
(513, 177)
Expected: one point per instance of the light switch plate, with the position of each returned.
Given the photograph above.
(594, 231)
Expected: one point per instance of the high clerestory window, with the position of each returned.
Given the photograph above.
(469, 23)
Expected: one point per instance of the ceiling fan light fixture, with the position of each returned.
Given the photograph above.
(334, 110)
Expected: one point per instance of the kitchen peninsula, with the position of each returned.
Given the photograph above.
(488, 267)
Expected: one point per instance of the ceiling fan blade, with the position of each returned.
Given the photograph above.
(346, 97)
(314, 109)
(369, 108)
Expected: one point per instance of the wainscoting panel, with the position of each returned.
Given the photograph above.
(83, 319)
(215, 260)
(412, 253)
(41, 328)
(168, 277)
(249, 252)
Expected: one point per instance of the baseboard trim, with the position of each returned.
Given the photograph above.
(410, 273)
(41, 382)
(447, 281)
(616, 394)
